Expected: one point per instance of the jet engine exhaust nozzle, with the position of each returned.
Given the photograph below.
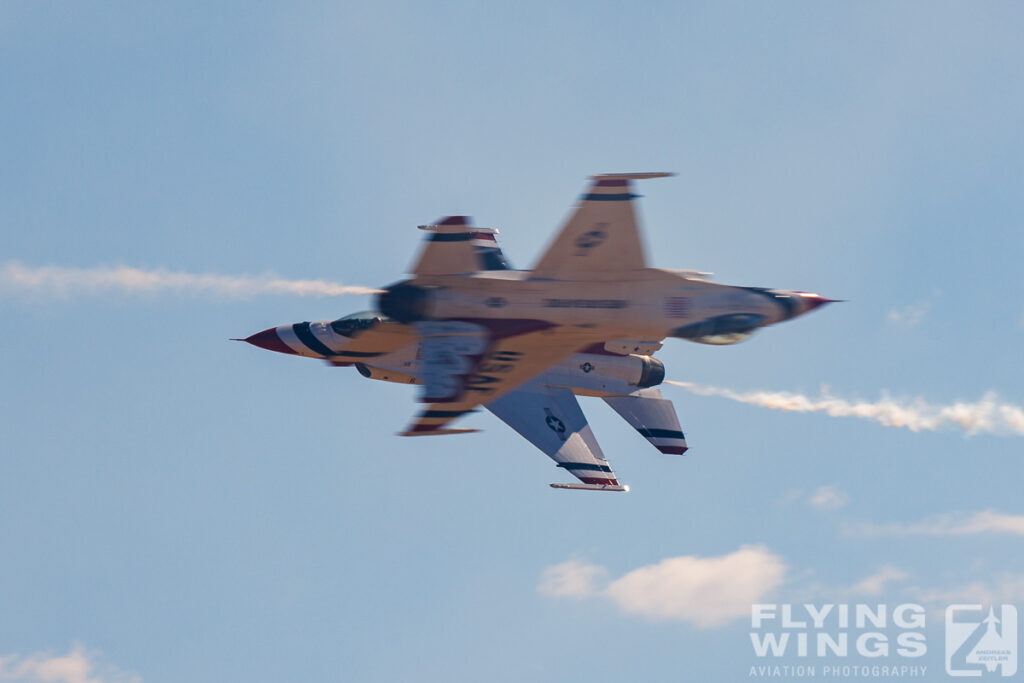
(405, 302)
(652, 374)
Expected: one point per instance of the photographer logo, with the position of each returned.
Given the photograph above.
(981, 643)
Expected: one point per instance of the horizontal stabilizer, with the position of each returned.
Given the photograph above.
(654, 417)
(592, 487)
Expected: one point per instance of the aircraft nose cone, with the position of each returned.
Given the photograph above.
(813, 301)
(268, 339)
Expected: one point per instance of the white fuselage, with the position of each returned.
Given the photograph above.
(648, 303)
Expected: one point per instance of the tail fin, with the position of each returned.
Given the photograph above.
(455, 247)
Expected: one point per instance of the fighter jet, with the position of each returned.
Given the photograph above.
(585, 320)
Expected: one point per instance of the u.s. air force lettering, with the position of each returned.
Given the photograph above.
(586, 303)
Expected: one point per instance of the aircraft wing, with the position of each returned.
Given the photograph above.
(468, 364)
(551, 419)
(602, 233)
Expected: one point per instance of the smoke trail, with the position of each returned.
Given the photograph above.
(988, 415)
(16, 277)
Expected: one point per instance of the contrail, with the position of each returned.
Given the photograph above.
(987, 415)
(16, 277)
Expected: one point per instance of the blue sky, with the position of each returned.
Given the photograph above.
(178, 507)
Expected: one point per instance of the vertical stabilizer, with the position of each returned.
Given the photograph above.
(454, 247)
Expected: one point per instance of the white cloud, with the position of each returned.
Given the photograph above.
(1002, 588)
(802, 588)
(828, 498)
(572, 579)
(77, 666)
(711, 591)
(951, 524)
(63, 282)
(704, 591)
(877, 582)
(909, 316)
(987, 415)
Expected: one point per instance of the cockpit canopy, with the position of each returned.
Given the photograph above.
(722, 339)
(721, 330)
(351, 324)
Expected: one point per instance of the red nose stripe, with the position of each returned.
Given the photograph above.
(268, 339)
(816, 300)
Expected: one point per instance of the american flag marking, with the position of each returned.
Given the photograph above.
(677, 306)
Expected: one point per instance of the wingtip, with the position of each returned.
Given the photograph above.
(632, 176)
(622, 488)
(436, 432)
